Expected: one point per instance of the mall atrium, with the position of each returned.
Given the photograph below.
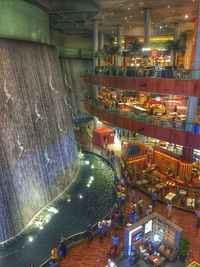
(100, 133)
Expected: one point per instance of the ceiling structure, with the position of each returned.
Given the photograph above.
(74, 17)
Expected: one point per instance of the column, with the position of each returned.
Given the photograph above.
(119, 43)
(193, 100)
(95, 42)
(187, 154)
(101, 46)
(147, 26)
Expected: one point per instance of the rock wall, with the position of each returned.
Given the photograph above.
(38, 155)
(76, 86)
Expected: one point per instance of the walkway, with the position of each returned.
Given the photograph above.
(94, 253)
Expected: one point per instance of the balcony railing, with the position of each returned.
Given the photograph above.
(139, 72)
(153, 119)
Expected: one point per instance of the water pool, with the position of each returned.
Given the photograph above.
(88, 199)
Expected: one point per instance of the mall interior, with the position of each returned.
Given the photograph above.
(100, 133)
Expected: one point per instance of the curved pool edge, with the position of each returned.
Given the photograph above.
(30, 223)
(82, 240)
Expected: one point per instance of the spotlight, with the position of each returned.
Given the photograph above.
(53, 210)
(30, 239)
(156, 238)
(80, 196)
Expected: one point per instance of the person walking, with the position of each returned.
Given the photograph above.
(89, 232)
(140, 205)
(100, 230)
(115, 239)
(153, 198)
(133, 195)
(169, 210)
(62, 248)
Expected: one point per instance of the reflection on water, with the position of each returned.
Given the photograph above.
(87, 201)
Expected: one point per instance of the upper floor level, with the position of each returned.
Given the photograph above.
(151, 126)
(153, 81)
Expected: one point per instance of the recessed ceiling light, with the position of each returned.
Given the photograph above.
(160, 27)
(193, 0)
(142, 12)
(112, 13)
(186, 16)
(125, 18)
(173, 10)
(168, 6)
(128, 8)
(130, 16)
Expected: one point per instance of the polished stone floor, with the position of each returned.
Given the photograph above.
(93, 254)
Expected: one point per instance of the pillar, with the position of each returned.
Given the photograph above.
(187, 154)
(147, 26)
(119, 43)
(101, 46)
(95, 42)
(193, 100)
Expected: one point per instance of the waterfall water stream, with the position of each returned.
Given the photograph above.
(37, 159)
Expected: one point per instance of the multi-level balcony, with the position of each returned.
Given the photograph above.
(153, 81)
(152, 126)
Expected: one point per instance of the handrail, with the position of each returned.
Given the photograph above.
(82, 236)
(153, 119)
(139, 72)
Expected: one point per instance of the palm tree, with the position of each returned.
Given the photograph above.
(175, 46)
(100, 54)
(114, 50)
(135, 49)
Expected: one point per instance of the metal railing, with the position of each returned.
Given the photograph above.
(153, 119)
(141, 72)
(81, 237)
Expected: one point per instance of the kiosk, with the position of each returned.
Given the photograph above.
(103, 136)
(161, 233)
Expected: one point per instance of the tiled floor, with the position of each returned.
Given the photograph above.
(93, 254)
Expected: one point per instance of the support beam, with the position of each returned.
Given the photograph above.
(147, 26)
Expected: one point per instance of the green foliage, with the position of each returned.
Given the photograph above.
(114, 50)
(135, 48)
(176, 45)
(183, 247)
(100, 53)
(126, 53)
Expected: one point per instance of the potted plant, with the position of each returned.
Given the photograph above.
(100, 53)
(114, 51)
(183, 248)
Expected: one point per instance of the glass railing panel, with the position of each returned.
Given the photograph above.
(138, 72)
(153, 119)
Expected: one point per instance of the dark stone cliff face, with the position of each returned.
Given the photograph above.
(38, 155)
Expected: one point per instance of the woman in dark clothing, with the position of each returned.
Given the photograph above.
(62, 249)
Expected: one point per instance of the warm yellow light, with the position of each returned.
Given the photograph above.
(158, 38)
